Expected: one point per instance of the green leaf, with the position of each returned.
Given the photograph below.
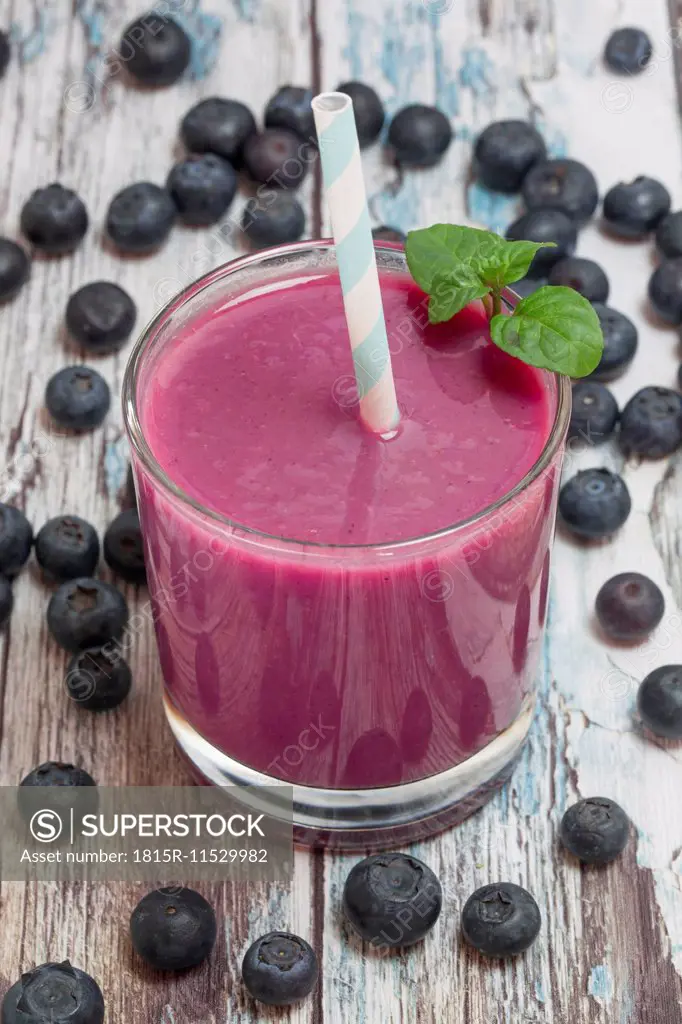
(450, 293)
(445, 248)
(517, 258)
(555, 329)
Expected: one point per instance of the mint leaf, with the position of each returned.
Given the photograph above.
(445, 248)
(555, 329)
(451, 292)
(516, 260)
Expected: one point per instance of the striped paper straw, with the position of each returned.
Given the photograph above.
(347, 200)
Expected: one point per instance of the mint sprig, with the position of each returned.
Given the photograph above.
(554, 328)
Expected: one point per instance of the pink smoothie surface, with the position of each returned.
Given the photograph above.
(247, 415)
(370, 668)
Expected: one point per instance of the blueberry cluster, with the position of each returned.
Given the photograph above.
(390, 901)
(222, 140)
(560, 196)
(85, 615)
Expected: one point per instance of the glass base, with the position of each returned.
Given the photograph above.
(370, 818)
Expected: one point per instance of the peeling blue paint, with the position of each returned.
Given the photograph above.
(92, 16)
(32, 43)
(401, 56)
(491, 209)
(447, 90)
(627, 1007)
(539, 990)
(560, 768)
(557, 144)
(247, 9)
(356, 31)
(204, 31)
(600, 983)
(400, 209)
(644, 854)
(477, 73)
(115, 466)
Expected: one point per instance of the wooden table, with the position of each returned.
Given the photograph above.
(611, 946)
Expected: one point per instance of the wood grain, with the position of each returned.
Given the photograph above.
(611, 947)
(67, 114)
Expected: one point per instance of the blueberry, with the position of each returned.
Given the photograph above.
(140, 218)
(15, 268)
(584, 276)
(665, 291)
(565, 185)
(290, 108)
(280, 969)
(100, 316)
(505, 152)
(594, 413)
(384, 233)
(629, 606)
(501, 920)
(5, 52)
(6, 600)
(651, 423)
(58, 773)
(123, 549)
(70, 788)
(78, 398)
(634, 209)
(66, 547)
(659, 701)
(669, 235)
(54, 219)
(86, 612)
(419, 136)
(628, 51)
(369, 111)
(281, 220)
(620, 343)
(595, 830)
(202, 187)
(98, 679)
(54, 992)
(392, 899)
(594, 503)
(16, 540)
(219, 126)
(275, 157)
(173, 929)
(545, 226)
(155, 50)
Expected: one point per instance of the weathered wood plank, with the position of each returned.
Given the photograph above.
(611, 943)
(68, 115)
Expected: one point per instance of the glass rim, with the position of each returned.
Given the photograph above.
(145, 455)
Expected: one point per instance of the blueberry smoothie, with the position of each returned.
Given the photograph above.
(321, 616)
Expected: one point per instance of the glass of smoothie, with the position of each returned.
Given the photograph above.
(359, 617)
